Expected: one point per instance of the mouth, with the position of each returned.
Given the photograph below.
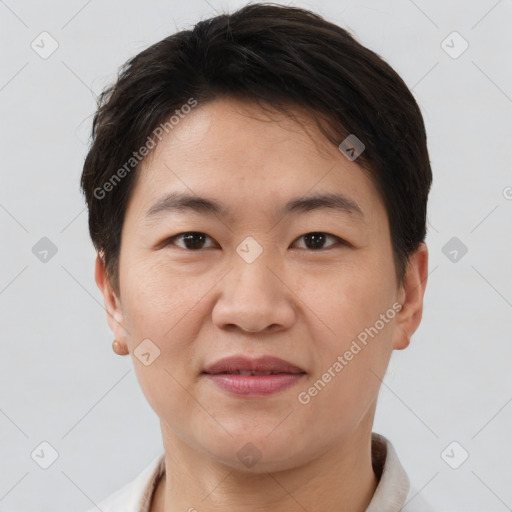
(251, 372)
(240, 375)
(241, 365)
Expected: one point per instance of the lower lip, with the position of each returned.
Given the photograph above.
(255, 385)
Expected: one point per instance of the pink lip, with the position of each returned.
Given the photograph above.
(254, 385)
(261, 364)
(225, 374)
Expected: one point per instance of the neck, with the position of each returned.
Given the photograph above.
(341, 479)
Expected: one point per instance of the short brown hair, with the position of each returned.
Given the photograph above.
(277, 56)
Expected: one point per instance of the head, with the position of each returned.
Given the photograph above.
(294, 246)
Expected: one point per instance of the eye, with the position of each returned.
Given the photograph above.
(193, 240)
(317, 238)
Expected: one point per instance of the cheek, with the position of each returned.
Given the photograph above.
(163, 389)
(345, 299)
(347, 379)
(350, 306)
(156, 298)
(157, 306)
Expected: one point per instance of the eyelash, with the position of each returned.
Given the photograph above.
(170, 240)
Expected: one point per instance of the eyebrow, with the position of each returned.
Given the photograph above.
(176, 202)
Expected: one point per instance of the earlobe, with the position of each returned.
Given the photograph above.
(112, 303)
(120, 348)
(409, 317)
(404, 342)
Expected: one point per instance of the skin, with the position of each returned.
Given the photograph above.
(301, 302)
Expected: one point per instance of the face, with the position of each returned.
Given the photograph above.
(313, 284)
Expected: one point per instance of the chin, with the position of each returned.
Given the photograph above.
(258, 452)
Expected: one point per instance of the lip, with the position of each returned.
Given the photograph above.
(225, 374)
(234, 364)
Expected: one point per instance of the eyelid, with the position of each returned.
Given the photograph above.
(336, 238)
(170, 240)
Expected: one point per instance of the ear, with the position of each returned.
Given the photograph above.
(409, 317)
(112, 303)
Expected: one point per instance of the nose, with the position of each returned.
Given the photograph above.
(254, 298)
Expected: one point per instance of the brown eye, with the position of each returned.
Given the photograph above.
(195, 240)
(316, 240)
(192, 240)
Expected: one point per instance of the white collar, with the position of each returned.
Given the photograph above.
(390, 495)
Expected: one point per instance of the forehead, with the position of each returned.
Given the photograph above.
(239, 153)
(212, 128)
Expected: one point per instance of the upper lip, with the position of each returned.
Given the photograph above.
(261, 364)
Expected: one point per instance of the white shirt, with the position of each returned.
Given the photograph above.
(393, 492)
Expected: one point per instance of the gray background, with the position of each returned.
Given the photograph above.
(61, 383)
